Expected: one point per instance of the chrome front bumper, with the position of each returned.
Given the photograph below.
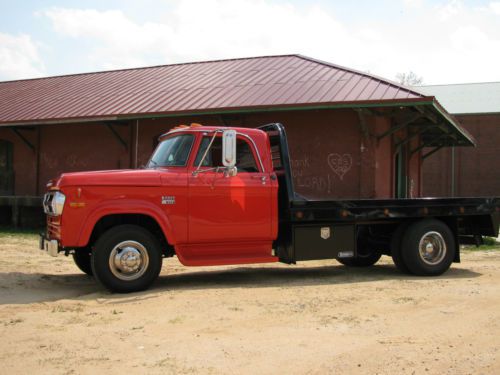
(50, 246)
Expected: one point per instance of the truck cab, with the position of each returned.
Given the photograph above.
(230, 196)
(208, 195)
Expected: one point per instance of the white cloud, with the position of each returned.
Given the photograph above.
(198, 30)
(450, 10)
(450, 42)
(19, 57)
(495, 7)
(119, 42)
(413, 3)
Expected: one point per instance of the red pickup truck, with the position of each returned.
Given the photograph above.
(214, 196)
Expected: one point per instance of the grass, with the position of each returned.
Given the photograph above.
(28, 234)
(490, 243)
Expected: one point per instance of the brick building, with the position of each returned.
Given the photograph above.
(467, 172)
(351, 135)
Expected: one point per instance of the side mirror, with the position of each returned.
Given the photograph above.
(229, 152)
(231, 172)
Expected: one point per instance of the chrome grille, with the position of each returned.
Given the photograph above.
(47, 203)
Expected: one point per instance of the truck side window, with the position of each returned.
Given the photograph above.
(245, 161)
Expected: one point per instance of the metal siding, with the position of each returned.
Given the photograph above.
(324, 86)
(336, 86)
(368, 90)
(240, 83)
(466, 98)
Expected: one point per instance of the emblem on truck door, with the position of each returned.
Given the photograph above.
(325, 233)
(168, 199)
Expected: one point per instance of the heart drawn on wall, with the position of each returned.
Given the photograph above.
(340, 164)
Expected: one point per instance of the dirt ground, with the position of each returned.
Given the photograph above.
(314, 318)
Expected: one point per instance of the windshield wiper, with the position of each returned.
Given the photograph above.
(154, 162)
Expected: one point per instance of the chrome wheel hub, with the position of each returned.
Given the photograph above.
(432, 248)
(128, 260)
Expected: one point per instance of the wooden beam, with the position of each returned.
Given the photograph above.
(419, 131)
(37, 172)
(423, 145)
(23, 138)
(362, 124)
(425, 156)
(427, 114)
(394, 129)
(117, 135)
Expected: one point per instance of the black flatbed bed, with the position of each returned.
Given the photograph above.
(365, 222)
(376, 209)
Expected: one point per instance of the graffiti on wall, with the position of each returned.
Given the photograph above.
(304, 176)
(72, 161)
(49, 161)
(339, 164)
(301, 173)
(75, 162)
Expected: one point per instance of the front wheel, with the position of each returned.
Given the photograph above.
(81, 257)
(428, 248)
(126, 258)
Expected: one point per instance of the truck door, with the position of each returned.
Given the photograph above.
(228, 209)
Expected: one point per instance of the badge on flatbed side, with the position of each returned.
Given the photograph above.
(325, 233)
(168, 199)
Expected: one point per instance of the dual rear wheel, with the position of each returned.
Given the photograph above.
(423, 248)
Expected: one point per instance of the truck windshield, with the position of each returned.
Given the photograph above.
(172, 152)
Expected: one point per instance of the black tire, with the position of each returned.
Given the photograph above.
(362, 260)
(396, 248)
(135, 243)
(438, 236)
(81, 258)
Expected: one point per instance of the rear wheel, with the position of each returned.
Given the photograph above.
(428, 248)
(365, 259)
(81, 257)
(127, 258)
(396, 248)
(365, 256)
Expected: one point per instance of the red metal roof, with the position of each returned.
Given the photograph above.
(211, 86)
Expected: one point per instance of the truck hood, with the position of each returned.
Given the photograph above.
(121, 177)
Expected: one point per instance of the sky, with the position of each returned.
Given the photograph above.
(443, 41)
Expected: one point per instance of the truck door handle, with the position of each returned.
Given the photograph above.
(261, 178)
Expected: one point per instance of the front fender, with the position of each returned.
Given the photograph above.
(125, 207)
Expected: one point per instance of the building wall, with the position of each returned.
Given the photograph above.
(332, 156)
(476, 171)
(63, 148)
(24, 160)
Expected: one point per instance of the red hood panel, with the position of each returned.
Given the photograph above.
(121, 177)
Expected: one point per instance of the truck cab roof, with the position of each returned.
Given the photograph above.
(254, 133)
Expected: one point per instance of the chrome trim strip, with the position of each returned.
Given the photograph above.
(200, 129)
(256, 150)
(206, 151)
